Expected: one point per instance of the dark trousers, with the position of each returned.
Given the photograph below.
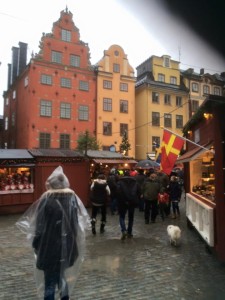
(53, 279)
(123, 210)
(175, 206)
(96, 209)
(151, 210)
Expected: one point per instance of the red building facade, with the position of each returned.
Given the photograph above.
(51, 100)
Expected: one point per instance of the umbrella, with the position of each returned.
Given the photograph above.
(147, 164)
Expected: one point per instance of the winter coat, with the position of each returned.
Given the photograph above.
(128, 191)
(150, 189)
(99, 192)
(56, 230)
(175, 191)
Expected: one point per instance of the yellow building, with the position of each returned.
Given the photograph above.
(115, 100)
(161, 100)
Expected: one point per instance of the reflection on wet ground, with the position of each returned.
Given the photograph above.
(145, 267)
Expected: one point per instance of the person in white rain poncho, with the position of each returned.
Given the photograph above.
(55, 226)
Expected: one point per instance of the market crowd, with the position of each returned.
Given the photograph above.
(151, 191)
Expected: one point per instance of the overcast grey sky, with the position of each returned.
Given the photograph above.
(141, 28)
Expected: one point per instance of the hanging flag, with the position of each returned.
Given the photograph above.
(171, 146)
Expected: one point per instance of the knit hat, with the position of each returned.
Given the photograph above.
(57, 180)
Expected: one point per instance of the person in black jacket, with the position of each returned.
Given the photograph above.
(175, 195)
(128, 192)
(99, 198)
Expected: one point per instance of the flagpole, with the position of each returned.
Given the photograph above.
(185, 139)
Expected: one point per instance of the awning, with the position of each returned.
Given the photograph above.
(191, 155)
(114, 161)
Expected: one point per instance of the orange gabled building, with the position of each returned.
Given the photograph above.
(53, 98)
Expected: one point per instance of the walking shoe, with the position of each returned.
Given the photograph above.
(146, 221)
(123, 236)
(93, 221)
(129, 235)
(102, 228)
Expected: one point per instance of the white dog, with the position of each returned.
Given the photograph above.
(174, 234)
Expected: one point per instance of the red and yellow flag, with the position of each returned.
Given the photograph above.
(171, 146)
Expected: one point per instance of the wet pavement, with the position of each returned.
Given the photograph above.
(145, 267)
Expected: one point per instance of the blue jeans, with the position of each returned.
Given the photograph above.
(122, 215)
(53, 279)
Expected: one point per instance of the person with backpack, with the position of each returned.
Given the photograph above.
(128, 192)
(100, 192)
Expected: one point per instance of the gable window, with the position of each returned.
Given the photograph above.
(206, 90)
(179, 121)
(107, 104)
(123, 129)
(195, 87)
(107, 128)
(155, 119)
(116, 68)
(75, 60)
(167, 120)
(46, 79)
(83, 85)
(107, 84)
(167, 100)
(173, 80)
(57, 57)
(155, 97)
(217, 91)
(46, 108)
(64, 141)
(66, 82)
(123, 87)
(66, 35)
(123, 106)
(166, 61)
(178, 101)
(83, 113)
(161, 77)
(65, 110)
(44, 140)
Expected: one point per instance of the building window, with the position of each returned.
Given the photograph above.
(66, 35)
(46, 108)
(195, 105)
(107, 84)
(123, 87)
(167, 99)
(13, 119)
(155, 143)
(206, 90)
(155, 119)
(123, 129)
(7, 101)
(75, 60)
(14, 95)
(66, 82)
(194, 87)
(166, 61)
(167, 120)
(6, 123)
(44, 140)
(178, 101)
(173, 80)
(107, 104)
(123, 106)
(217, 91)
(155, 97)
(83, 113)
(179, 121)
(116, 68)
(65, 110)
(46, 79)
(64, 141)
(161, 77)
(83, 85)
(107, 128)
(57, 57)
